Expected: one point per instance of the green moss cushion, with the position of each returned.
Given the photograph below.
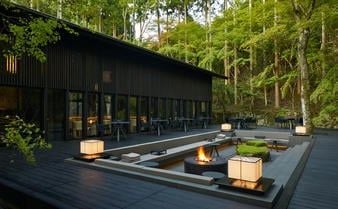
(253, 151)
(257, 143)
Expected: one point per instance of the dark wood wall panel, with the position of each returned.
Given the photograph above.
(79, 66)
(29, 72)
(76, 70)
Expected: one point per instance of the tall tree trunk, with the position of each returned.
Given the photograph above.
(124, 23)
(158, 22)
(303, 38)
(37, 5)
(141, 33)
(235, 66)
(276, 65)
(226, 60)
(323, 45)
(185, 31)
(114, 30)
(265, 96)
(251, 57)
(59, 9)
(167, 24)
(100, 21)
(235, 74)
(209, 33)
(264, 59)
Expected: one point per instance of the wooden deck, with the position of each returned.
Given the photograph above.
(318, 185)
(63, 185)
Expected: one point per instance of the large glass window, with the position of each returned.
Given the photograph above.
(56, 114)
(187, 109)
(170, 109)
(107, 110)
(24, 102)
(92, 115)
(162, 108)
(177, 109)
(144, 126)
(194, 115)
(198, 109)
(203, 109)
(133, 114)
(121, 107)
(75, 114)
(154, 107)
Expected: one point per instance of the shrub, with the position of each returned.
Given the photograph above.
(254, 151)
(24, 137)
(257, 143)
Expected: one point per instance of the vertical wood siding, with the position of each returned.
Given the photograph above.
(78, 64)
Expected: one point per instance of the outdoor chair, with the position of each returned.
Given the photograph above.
(281, 122)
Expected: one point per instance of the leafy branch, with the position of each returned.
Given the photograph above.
(24, 137)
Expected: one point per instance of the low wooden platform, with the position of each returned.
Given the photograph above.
(61, 185)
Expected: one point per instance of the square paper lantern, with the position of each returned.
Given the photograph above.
(234, 167)
(90, 147)
(226, 127)
(301, 130)
(245, 168)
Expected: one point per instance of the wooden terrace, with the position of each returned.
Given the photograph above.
(52, 183)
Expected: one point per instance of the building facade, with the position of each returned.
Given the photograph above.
(91, 79)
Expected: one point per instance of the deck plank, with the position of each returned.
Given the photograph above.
(318, 185)
(81, 187)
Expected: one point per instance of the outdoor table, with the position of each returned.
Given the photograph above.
(185, 122)
(158, 123)
(291, 121)
(238, 121)
(117, 127)
(205, 121)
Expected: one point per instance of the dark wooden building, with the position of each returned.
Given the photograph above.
(91, 79)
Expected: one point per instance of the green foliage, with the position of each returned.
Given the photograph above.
(31, 36)
(28, 35)
(253, 151)
(233, 30)
(257, 143)
(24, 137)
(326, 95)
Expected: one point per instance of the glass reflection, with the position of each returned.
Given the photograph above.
(144, 126)
(75, 114)
(133, 114)
(122, 107)
(107, 112)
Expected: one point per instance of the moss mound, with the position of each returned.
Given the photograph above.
(257, 143)
(254, 151)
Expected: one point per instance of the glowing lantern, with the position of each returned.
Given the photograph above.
(91, 147)
(245, 168)
(301, 130)
(226, 127)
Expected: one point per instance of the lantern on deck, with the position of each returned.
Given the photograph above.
(301, 130)
(245, 168)
(90, 147)
(226, 127)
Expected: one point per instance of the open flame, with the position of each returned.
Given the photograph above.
(201, 155)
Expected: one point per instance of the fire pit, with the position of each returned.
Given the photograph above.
(201, 163)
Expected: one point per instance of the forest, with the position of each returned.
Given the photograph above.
(280, 56)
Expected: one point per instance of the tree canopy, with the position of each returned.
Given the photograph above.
(258, 44)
